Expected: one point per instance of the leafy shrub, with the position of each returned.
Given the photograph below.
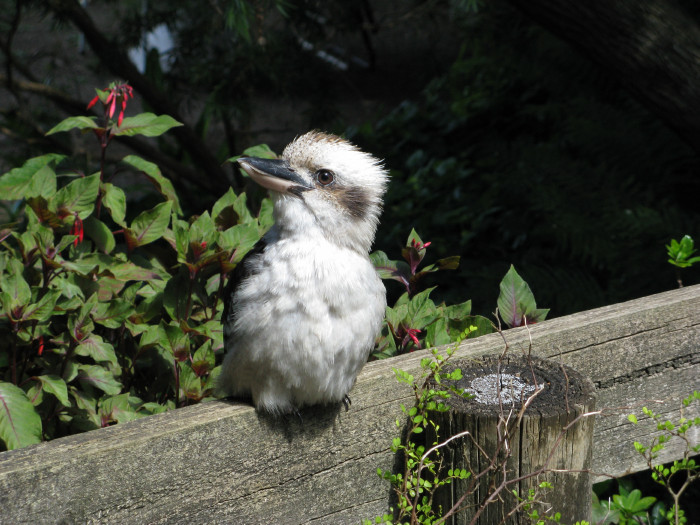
(107, 317)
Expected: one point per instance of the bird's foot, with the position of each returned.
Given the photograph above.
(347, 402)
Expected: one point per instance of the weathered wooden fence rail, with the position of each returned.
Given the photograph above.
(221, 462)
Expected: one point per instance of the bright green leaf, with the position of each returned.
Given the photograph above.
(152, 171)
(149, 225)
(80, 122)
(33, 178)
(114, 199)
(20, 425)
(98, 231)
(99, 377)
(79, 196)
(42, 310)
(146, 124)
(55, 386)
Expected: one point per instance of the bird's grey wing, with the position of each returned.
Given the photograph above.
(239, 274)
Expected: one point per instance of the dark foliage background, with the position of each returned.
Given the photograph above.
(524, 152)
(505, 145)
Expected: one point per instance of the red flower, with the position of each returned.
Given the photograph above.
(77, 230)
(117, 93)
(41, 345)
(418, 245)
(410, 335)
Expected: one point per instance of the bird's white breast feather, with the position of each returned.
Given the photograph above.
(298, 318)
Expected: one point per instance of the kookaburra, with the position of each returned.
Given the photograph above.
(304, 307)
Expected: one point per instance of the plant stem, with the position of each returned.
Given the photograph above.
(15, 329)
(193, 276)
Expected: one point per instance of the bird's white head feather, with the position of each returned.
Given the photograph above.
(347, 209)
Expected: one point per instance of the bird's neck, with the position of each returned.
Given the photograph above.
(293, 221)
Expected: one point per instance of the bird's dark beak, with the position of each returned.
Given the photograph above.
(274, 174)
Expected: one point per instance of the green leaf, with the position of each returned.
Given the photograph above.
(114, 199)
(458, 311)
(35, 178)
(42, 310)
(175, 295)
(152, 171)
(266, 215)
(261, 150)
(56, 386)
(679, 252)
(388, 269)
(79, 196)
(240, 206)
(223, 211)
(448, 263)
(112, 314)
(516, 303)
(43, 212)
(100, 234)
(436, 333)
(149, 225)
(128, 271)
(173, 339)
(20, 425)
(146, 124)
(120, 408)
(80, 122)
(240, 238)
(421, 309)
(202, 230)
(644, 503)
(14, 285)
(95, 347)
(99, 377)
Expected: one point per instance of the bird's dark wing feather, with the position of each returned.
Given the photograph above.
(239, 274)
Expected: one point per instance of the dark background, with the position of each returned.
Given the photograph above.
(571, 154)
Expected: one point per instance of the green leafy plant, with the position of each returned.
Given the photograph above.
(532, 512)
(516, 302)
(107, 314)
(685, 470)
(421, 475)
(420, 446)
(415, 321)
(628, 506)
(680, 255)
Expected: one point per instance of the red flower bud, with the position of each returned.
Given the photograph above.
(77, 230)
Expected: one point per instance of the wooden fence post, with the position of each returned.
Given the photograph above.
(525, 424)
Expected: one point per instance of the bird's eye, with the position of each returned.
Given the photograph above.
(325, 177)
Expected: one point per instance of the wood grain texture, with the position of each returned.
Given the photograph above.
(220, 462)
(532, 446)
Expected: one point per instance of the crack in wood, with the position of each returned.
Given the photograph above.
(675, 363)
